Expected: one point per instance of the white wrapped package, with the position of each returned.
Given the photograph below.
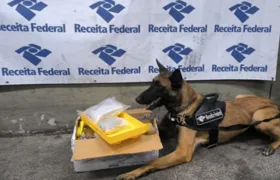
(105, 109)
(111, 124)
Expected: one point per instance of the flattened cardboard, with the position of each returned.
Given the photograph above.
(93, 148)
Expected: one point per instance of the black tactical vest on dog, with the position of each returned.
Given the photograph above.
(207, 117)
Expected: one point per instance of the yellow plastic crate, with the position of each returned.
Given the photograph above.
(134, 129)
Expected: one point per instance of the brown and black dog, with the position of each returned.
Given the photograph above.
(170, 90)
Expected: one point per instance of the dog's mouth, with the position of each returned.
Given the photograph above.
(154, 104)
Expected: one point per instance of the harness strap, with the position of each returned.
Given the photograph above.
(213, 138)
(243, 126)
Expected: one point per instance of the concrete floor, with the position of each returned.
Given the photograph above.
(48, 158)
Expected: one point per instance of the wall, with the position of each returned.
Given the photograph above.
(52, 108)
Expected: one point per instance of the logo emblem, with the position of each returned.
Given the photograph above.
(108, 53)
(27, 8)
(243, 10)
(209, 116)
(178, 9)
(176, 51)
(106, 8)
(201, 118)
(239, 51)
(33, 53)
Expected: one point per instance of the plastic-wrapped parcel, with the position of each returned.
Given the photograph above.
(105, 114)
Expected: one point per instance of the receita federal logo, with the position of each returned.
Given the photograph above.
(107, 10)
(244, 11)
(34, 54)
(178, 10)
(177, 52)
(109, 54)
(29, 9)
(240, 52)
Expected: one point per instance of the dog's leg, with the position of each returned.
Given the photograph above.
(167, 128)
(270, 149)
(182, 154)
(271, 128)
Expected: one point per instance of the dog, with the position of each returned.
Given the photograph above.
(170, 90)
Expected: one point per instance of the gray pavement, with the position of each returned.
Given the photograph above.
(43, 157)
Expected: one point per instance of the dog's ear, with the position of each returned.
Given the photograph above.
(161, 67)
(176, 79)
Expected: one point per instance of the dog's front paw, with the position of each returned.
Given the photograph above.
(127, 176)
(268, 150)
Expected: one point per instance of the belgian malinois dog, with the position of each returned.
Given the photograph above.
(170, 90)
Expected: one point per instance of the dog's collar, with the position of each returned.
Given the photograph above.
(180, 118)
(181, 113)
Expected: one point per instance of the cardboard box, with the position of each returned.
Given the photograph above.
(96, 154)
